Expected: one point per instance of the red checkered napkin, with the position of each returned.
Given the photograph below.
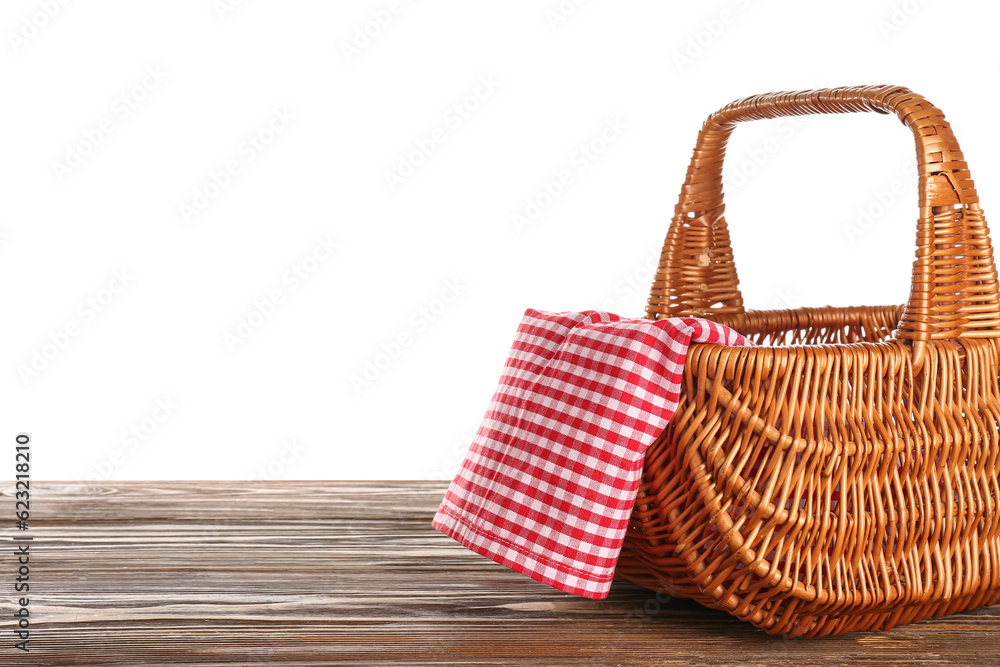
(548, 485)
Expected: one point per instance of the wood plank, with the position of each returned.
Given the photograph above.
(316, 572)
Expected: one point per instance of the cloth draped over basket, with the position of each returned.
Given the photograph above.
(843, 473)
(549, 483)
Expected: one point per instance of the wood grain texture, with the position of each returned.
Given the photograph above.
(319, 572)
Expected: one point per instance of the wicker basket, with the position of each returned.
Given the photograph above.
(844, 474)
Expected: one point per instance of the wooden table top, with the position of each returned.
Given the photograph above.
(317, 572)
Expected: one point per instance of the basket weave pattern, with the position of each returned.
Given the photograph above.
(842, 475)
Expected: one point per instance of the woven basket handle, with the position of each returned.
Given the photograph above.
(954, 288)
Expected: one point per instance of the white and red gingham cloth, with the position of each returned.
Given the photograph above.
(548, 486)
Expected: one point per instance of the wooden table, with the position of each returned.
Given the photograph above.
(317, 572)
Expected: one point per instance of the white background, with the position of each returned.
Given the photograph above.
(281, 402)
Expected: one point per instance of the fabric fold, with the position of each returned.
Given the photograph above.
(548, 485)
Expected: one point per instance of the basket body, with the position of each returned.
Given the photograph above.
(845, 474)
(814, 485)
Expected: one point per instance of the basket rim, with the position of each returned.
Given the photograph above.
(889, 344)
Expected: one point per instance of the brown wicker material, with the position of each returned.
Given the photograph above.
(842, 475)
